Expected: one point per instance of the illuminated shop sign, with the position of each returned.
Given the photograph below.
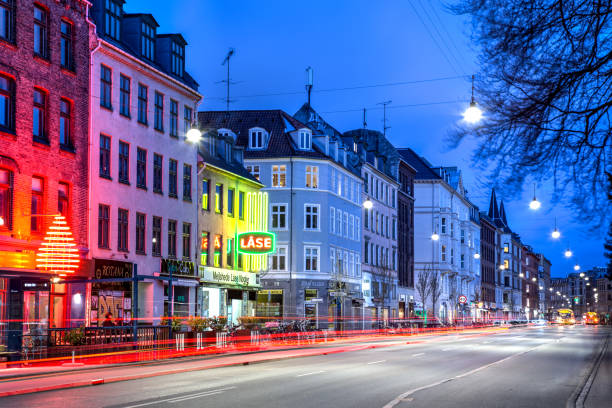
(256, 242)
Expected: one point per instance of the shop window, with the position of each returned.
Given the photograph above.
(6, 199)
(37, 209)
(172, 239)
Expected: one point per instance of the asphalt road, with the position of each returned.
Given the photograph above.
(521, 367)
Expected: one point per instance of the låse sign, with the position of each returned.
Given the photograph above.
(256, 243)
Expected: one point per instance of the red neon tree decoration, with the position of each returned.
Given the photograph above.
(58, 253)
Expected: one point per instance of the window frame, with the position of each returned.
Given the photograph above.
(43, 35)
(105, 157)
(67, 45)
(172, 239)
(172, 178)
(279, 214)
(279, 175)
(312, 177)
(10, 96)
(177, 52)
(43, 112)
(106, 87)
(123, 164)
(147, 41)
(141, 168)
(314, 216)
(122, 230)
(158, 119)
(231, 201)
(143, 104)
(255, 170)
(174, 118)
(187, 182)
(125, 95)
(103, 226)
(218, 198)
(206, 194)
(156, 235)
(276, 257)
(158, 173)
(66, 118)
(9, 6)
(112, 19)
(186, 240)
(317, 250)
(141, 233)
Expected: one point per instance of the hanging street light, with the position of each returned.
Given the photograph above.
(582, 274)
(576, 267)
(535, 204)
(473, 114)
(568, 253)
(556, 234)
(367, 204)
(194, 135)
(435, 236)
(476, 256)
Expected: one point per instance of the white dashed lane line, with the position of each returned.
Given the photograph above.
(376, 362)
(314, 372)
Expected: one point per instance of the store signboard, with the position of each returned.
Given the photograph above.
(221, 276)
(111, 269)
(178, 268)
(256, 243)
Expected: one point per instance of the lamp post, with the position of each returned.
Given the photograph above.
(473, 114)
(534, 204)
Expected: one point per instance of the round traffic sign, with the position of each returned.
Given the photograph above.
(462, 299)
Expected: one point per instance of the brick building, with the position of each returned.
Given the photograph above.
(405, 239)
(44, 86)
(530, 286)
(488, 262)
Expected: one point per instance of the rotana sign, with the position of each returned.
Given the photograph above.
(256, 243)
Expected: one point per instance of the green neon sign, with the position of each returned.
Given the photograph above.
(256, 243)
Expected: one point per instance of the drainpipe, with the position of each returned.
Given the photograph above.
(291, 234)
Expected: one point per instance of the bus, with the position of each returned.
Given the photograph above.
(564, 316)
(591, 318)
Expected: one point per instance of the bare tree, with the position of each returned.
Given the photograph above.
(546, 88)
(422, 285)
(435, 287)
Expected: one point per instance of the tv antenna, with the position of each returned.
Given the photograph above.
(365, 124)
(385, 127)
(309, 82)
(227, 81)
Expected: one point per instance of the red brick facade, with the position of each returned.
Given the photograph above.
(24, 157)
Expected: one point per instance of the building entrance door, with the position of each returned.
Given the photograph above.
(35, 321)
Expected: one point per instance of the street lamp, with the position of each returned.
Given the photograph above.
(194, 135)
(576, 267)
(534, 279)
(367, 204)
(534, 204)
(556, 234)
(476, 256)
(521, 275)
(550, 289)
(568, 253)
(1, 221)
(582, 274)
(435, 236)
(473, 114)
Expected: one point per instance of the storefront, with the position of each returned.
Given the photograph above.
(112, 299)
(226, 292)
(185, 281)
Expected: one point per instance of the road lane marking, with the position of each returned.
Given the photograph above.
(376, 362)
(178, 399)
(449, 348)
(418, 354)
(174, 401)
(314, 372)
(402, 397)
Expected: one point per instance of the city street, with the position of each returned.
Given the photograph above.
(518, 367)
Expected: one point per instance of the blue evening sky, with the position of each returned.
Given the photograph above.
(356, 43)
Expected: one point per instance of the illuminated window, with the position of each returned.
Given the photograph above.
(172, 239)
(122, 230)
(279, 216)
(506, 248)
(312, 176)
(173, 118)
(172, 178)
(65, 137)
(205, 194)
(6, 198)
(219, 198)
(159, 112)
(66, 45)
(124, 163)
(38, 190)
(142, 104)
(311, 217)
(254, 170)
(186, 241)
(204, 249)
(39, 118)
(506, 264)
(279, 174)
(103, 225)
(157, 173)
(156, 244)
(41, 32)
(106, 87)
(141, 222)
(124, 95)
(141, 168)
(217, 251)
(311, 258)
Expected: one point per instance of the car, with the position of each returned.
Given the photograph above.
(540, 322)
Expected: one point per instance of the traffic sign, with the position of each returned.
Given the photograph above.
(462, 299)
(314, 300)
(337, 294)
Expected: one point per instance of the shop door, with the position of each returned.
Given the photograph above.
(35, 320)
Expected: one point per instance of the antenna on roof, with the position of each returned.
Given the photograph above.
(365, 124)
(227, 81)
(385, 127)
(309, 82)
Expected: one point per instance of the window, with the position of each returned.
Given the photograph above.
(506, 248)
(332, 259)
(66, 46)
(65, 125)
(452, 256)
(230, 201)
(311, 259)
(172, 178)
(339, 222)
(159, 112)
(39, 119)
(103, 225)
(279, 175)
(279, 259)
(506, 264)
(218, 251)
(305, 140)
(311, 216)
(462, 261)
(256, 139)
(462, 236)
(106, 87)
(124, 162)
(113, 19)
(443, 253)
(339, 184)
(124, 95)
(219, 198)
(186, 240)
(147, 41)
(63, 202)
(122, 230)
(351, 234)
(332, 220)
(452, 233)
(279, 216)
(204, 249)
(156, 237)
(173, 118)
(105, 156)
(254, 170)
(171, 239)
(178, 59)
(366, 218)
(241, 205)
(41, 27)
(229, 259)
(443, 226)
(357, 229)
(38, 190)
(142, 103)
(7, 20)
(186, 182)
(157, 173)
(312, 176)
(186, 119)
(205, 194)
(141, 168)
(6, 198)
(7, 103)
(346, 228)
(141, 222)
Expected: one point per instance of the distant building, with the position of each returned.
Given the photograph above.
(530, 283)
(405, 239)
(545, 292)
(488, 265)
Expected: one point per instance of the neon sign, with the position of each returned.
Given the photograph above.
(257, 243)
(58, 253)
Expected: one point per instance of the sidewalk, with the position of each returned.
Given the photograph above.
(600, 394)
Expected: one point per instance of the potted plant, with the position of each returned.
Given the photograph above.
(218, 323)
(198, 324)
